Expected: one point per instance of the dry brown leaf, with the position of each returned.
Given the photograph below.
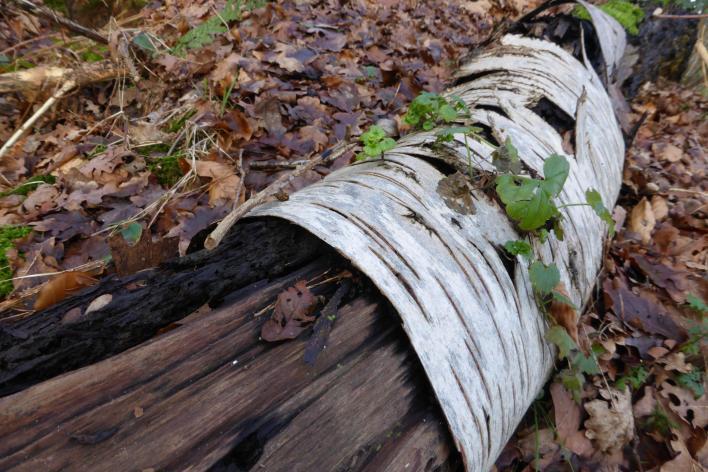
(642, 220)
(667, 152)
(646, 405)
(676, 361)
(611, 425)
(62, 286)
(567, 420)
(683, 462)
(291, 313)
(565, 315)
(659, 207)
(684, 404)
(224, 184)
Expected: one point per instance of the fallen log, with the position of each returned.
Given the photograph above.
(211, 394)
(470, 314)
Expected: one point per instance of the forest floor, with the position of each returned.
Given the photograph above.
(200, 106)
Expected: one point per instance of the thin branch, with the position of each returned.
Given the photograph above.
(663, 16)
(49, 14)
(28, 124)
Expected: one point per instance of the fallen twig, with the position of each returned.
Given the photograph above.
(34, 80)
(32, 119)
(271, 191)
(51, 15)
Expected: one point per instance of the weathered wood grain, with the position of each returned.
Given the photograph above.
(43, 346)
(211, 394)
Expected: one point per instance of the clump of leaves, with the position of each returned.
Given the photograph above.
(529, 201)
(375, 142)
(205, 33)
(627, 14)
(519, 248)
(28, 186)
(429, 110)
(635, 378)
(8, 236)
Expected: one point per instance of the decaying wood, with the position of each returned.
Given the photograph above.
(212, 394)
(42, 346)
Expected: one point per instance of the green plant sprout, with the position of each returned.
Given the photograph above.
(429, 110)
(376, 143)
(205, 33)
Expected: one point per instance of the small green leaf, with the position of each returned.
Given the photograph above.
(635, 378)
(519, 248)
(447, 113)
(143, 41)
(132, 233)
(555, 171)
(696, 303)
(692, 381)
(562, 340)
(585, 364)
(594, 199)
(543, 278)
(573, 382)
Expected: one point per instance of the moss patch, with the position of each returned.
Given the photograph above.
(31, 184)
(626, 13)
(8, 235)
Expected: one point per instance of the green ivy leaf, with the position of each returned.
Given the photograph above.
(594, 199)
(573, 382)
(555, 171)
(585, 364)
(132, 233)
(519, 248)
(562, 340)
(543, 278)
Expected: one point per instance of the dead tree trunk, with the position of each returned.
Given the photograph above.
(429, 242)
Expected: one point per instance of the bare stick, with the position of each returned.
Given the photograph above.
(270, 192)
(51, 15)
(28, 124)
(663, 16)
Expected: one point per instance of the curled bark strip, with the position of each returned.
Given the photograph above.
(473, 321)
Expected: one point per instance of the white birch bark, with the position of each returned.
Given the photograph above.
(475, 326)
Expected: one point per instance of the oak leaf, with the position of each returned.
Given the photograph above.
(61, 286)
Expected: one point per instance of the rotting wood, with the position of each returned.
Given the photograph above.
(210, 394)
(42, 346)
